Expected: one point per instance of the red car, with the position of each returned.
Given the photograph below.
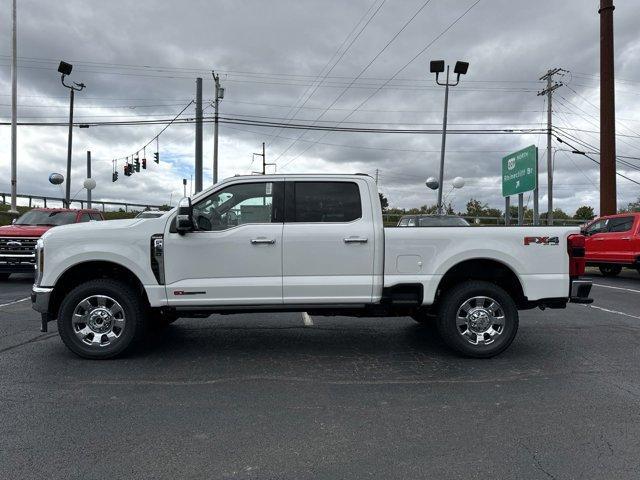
(18, 241)
(613, 243)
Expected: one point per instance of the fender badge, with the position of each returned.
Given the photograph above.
(182, 292)
(541, 240)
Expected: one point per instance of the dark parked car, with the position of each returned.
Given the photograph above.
(432, 221)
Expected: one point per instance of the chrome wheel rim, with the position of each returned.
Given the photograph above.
(98, 321)
(480, 320)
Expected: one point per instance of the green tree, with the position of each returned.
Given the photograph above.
(633, 206)
(584, 213)
(384, 203)
(475, 208)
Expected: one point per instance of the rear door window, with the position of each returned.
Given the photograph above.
(620, 224)
(84, 218)
(326, 202)
(96, 217)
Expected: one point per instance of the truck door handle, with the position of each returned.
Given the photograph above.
(262, 240)
(355, 240)
(625, 238)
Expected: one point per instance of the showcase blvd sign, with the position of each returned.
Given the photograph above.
(519, 171)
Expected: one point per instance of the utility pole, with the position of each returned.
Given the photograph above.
(377, 171)
(608, 204)
(218, 95)
(14, 110)
(264, 160)
(198, 166)
(88, 176)
(548, 91)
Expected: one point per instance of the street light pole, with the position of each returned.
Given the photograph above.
(14, 110)
(65, 69)
(437, 67)
(444, 142)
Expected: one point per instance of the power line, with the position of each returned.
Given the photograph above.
(324, 76)
(362, 71)
(441, 34)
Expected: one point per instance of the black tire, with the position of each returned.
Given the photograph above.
(4, 276)
(610, 270)
(448, 321)
(133, 313)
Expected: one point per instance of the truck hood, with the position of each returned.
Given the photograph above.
(23, 230)
(76, 229)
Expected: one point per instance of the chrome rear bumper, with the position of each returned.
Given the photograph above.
(579, 291)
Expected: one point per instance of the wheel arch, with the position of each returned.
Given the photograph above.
(487, 269)
(91, 270)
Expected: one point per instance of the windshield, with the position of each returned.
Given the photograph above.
(443, 222)
(48, 218)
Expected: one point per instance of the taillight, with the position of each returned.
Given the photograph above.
(575, 247)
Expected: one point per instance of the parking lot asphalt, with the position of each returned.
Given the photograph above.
(281, 396)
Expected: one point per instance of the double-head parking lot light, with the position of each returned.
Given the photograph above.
(437, 67)
(65, 69)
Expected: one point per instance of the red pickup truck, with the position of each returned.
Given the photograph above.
(18, 241)
(613, 243)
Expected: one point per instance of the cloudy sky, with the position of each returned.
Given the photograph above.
(359, 63)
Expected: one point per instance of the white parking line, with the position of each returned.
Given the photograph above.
(306, 319)
(616, 288)
(15, 301)
(613, 311)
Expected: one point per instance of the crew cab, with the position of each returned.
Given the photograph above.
(613, 243)
(18, 240)
(307, 243)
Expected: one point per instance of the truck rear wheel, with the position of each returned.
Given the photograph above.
(478, 319)
(100, 319)
(610, 270)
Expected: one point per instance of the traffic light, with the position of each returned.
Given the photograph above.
(156, 157)
(127, 169)
(144, 163)
(136, 164)
(114, 176)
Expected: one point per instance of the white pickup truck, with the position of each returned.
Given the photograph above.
(307, 243)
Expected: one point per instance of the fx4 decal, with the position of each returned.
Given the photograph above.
(541, 240)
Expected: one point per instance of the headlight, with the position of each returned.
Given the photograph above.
(39, 260)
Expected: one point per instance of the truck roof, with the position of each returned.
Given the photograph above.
(283, 175)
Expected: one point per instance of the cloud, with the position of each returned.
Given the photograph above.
(140, 60)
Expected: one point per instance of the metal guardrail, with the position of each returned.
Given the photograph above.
(393, 218)
(82, 203)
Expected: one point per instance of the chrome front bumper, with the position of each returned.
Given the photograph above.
(40, 297)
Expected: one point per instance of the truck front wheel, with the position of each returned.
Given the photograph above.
(100, 319)
(478, 319)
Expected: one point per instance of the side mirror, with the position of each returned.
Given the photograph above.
(184, 219)
(583, 231)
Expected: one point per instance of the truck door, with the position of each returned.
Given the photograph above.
(235, 255)
(618, 241)
(328, 242)
(594, 245)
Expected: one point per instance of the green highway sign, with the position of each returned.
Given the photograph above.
(520, 171)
